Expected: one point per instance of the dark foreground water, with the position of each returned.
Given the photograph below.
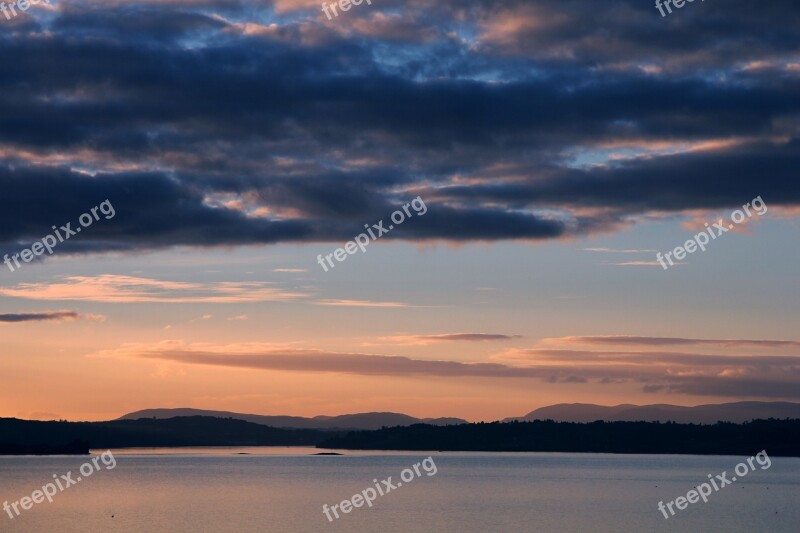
(283, 490)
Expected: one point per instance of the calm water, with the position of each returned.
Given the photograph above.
(283, 490)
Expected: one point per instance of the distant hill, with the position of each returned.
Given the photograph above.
(34, 437)
(353, 422)
(737, 412)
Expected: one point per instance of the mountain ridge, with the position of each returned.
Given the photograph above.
(737, 412)
(357, 421)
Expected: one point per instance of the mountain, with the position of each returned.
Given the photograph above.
(362, 421)
(737, 412)
(575, 412)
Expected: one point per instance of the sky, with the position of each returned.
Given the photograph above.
(193, 166)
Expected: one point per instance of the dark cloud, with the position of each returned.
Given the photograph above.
(724, 178)
(619, 31)
(236, 122)
(12, 318)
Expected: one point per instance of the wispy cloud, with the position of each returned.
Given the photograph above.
(128, 289)
(615, 251)
(360, 303)
(645, 358)
(108, 288)
(450, 337)
(628, 340)
(642, 263)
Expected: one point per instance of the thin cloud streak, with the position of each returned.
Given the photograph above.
(450, 337)
(360, 303)
(585, 357)
(630, 340)
(44, 316)
(110, 288)
(128, 289)
(643, 263)
(614, 251)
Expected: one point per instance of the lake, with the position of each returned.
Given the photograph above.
(284, 489)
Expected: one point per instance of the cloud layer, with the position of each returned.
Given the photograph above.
(237, 122)
(755, 376)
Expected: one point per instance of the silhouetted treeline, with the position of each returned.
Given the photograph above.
(22, 436)
(69, 448)
(777, 437)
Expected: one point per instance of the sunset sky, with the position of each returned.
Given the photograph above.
(557, 145)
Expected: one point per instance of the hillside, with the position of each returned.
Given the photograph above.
(737, 412)
(364, 421)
